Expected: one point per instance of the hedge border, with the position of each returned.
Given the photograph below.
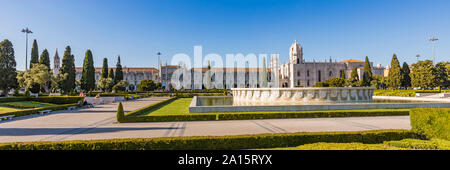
(432, 122)
(32, 111)
(133, 116)
(45, 99)
(217, 142)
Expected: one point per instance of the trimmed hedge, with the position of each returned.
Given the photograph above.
(312, 114)
(217, 142)
(433, 144)
(45, 99)
(168, 118)
(25, 112)
(431, 122)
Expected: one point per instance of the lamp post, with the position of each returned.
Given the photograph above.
(433, 39)
(26, 31)
(159, 66)
(417, 56)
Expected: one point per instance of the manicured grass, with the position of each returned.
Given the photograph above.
(180, 106)
(26, 104)
(7, 109)
(177, 107)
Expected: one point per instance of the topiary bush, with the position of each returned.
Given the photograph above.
(120, 113)
(431, 122)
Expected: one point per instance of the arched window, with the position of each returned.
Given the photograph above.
(307, 83)
(298, 73)
(307, 73)
(330, 74)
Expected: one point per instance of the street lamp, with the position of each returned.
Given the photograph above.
(26, 31)
(417, 56)
(433, 39)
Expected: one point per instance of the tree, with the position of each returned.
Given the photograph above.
(147, 85)
(119, 74)
(395, 74)
(111, 74)
(45, 59)
(88, 75)
(367, 73)
(104, 68)
(8, 72)
(354, 78)
(342, 72)
(120, 113)
(423, 74)
(67, 84)
(336, 82)
(406, 79)
(264, 83)
(120, 86)
(208, 77)
(39, 74)
(105, 84)
(34, 54)
(442, 77)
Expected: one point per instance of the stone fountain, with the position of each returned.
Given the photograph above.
(295, 96)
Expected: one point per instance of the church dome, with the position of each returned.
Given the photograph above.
(295, 46)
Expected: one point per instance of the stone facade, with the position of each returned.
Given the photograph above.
(132, 75)
(299, 73)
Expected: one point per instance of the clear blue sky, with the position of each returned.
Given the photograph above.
(137, 30)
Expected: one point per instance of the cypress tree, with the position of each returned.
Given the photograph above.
(8, 72)
(342, 74)
(104, 68)
(354, 77)
(406, 81)
(395, 74)
(68, 67)
(367, 74)
(45, 59)
(34, 54)
(88, 74)
(111, 74)
(119, 74)
(120, 113)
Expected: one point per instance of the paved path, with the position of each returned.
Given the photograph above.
(98, 123)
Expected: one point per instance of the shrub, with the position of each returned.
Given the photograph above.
(344, 146)
(120, 113)
(431, 122)
(32, 111)
(147, 108)
(433, 144)
(45, 99)
(217, 142)
(313, 114)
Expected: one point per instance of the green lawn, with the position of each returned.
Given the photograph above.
(181, 107)
(7, 109)
(176, 107)
(26, 104)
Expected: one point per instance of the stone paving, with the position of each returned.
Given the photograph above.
(99, 123)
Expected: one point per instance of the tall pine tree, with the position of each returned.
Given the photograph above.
(367, 74)
(406, 79)
(119, 74)
(8, 72)
(395, 74)
(111, 74)
(104, 69)
(67, 71)
(34, 54)
(88, 74)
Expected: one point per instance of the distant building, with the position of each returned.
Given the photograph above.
(133, 75)
(299, 73)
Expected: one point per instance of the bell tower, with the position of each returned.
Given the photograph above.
(296, 53)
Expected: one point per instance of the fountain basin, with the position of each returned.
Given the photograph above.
(292, 96)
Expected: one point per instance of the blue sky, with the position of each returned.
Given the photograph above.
(137, 30)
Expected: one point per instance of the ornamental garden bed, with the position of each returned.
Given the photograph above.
(177, 109)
